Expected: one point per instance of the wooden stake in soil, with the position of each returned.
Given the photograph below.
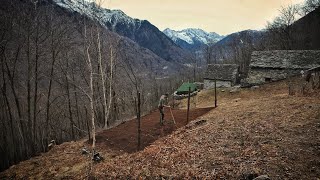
(139, 121)
(172, 116)
(188, 105)
(215, 93)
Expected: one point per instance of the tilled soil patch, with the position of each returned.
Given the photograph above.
(124, 138)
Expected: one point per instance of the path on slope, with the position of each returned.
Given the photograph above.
(123, 138)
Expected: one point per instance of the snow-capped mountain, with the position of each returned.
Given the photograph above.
(140, 31)
(192, 38)
(105, 17)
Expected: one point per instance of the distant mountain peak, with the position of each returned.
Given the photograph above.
(91, 9)
(192, 37)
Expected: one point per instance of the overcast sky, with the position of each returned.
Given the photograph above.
(221, 16)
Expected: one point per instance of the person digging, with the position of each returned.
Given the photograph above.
(163, 103)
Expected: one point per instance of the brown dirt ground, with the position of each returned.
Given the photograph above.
(260, 131)
(123, 138)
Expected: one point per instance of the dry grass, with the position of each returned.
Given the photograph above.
(261, 131)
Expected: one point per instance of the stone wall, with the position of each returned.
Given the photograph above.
(263, 75)
(209, 84)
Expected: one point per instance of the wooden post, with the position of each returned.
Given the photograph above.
(188, 105)
(172, 101)
(215, 93)
(318, 74)
(139, 121)
(289, 86)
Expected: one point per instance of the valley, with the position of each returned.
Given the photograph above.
(80, 80)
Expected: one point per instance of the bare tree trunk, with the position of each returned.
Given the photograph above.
(91, 92)
(69, 103)
(110, 82)
(53, 60)
(90, 95)
(139, 120)
(28, 53)
(102, 81)
(77, 106)
(91, 101)
(4, 90)
(4, 150)
(20, 126)
(188, 109)
(35, 99)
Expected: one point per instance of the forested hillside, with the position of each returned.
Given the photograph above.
(62, 74)
(301, 34)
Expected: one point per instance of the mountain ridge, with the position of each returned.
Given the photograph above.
(192, 38)
(141, 31)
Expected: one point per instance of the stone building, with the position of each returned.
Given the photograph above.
(268, 66)
(226, 75)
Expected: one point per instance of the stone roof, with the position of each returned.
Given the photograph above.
(286, 59)
(227, 72)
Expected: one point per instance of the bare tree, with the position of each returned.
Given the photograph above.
(58, 33)
(90, 95)
(281, 33)
(4, 93)
(110, 83)
(280, 30)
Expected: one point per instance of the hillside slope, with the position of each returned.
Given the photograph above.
(253, 132)
(306, 31)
